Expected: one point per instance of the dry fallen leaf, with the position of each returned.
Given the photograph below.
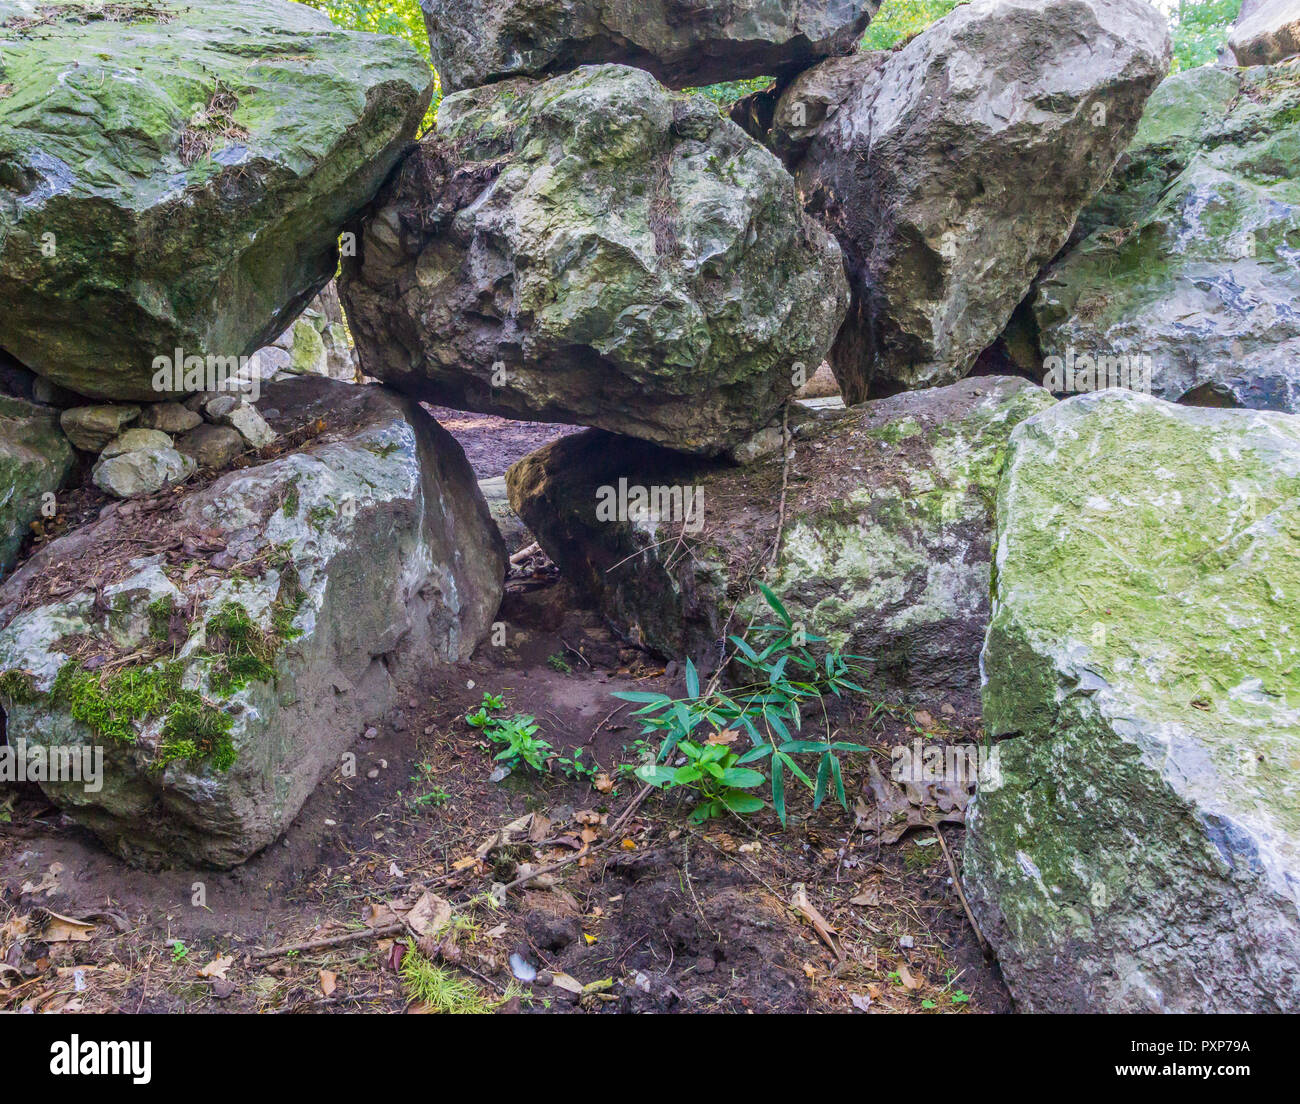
(867, 895)
(65, 929)
(217, 967)
(905, 975)
(329, 981)
(567, 983)
(800, 903)
(430, 915)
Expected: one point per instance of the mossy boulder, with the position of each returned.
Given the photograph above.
(885, 545)
(595, 249)
(1192, 253)
(225, 647)
(1142, 682)
(704, 42)
(953, 168)
(176, 175)
(35, 458)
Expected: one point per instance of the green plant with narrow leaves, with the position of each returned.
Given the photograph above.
(787, 679)
(517, 735)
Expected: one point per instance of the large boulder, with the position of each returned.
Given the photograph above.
(35, 458)
(175, 176)
(697, 43)
(1142, 685)
(595, 249)
(226, 646)
(885, 549)
(953, 168)
(1190, 264)
(1269, 33)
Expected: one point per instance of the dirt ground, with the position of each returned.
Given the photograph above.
(649, 912)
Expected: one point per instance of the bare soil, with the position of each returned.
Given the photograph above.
(661, 915)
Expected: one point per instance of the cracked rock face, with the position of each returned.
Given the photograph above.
(951, 170)
(1140, 678)
(329, 579)
(176, 176)
(886, 538)
(35, 458)
(1192, 262)
(595, 249)
(682, 42)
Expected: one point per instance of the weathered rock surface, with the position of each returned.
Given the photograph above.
(90, 428)
(953, 168)
(169, 417)
(1143, 851)
(886, 546)
(1268, 34)
(176, 176)
(138, 463)
(212, 446)
(332, 577)
(513, 531)
(1193, 255)
(594, 249)
(476, 42)
(35, 458)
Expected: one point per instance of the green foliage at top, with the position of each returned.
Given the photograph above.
(1200, 31)
(899, 20)
(401, 18)
(788, 678)
(1199, 27)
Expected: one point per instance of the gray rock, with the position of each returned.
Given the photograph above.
(135, 440)
(1190, 270)
(369, 555)
(141, 471)
(195, 204)
(212, 446)
(513, 531)
(169, 417)
(955, 166)
(250, 424)
(886, 539)
(35, 458)
(1268, 34)
(1141, 851)
(594, 249)
(476, 42)
(90, 428)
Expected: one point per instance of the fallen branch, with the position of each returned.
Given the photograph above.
(961, 896)
(331, 941)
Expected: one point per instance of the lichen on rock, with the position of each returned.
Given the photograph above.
(1140, 677)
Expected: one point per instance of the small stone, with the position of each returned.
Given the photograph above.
(136, 440)
(250, 424)
(90, 428)
(373, 772)
(370, 733)
(141, 472)
(170, 417)
(213, 446)
(906, 942)
(217, 407)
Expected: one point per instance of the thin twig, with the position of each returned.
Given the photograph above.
(331, 941)
(785, 481)
(961, 896)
